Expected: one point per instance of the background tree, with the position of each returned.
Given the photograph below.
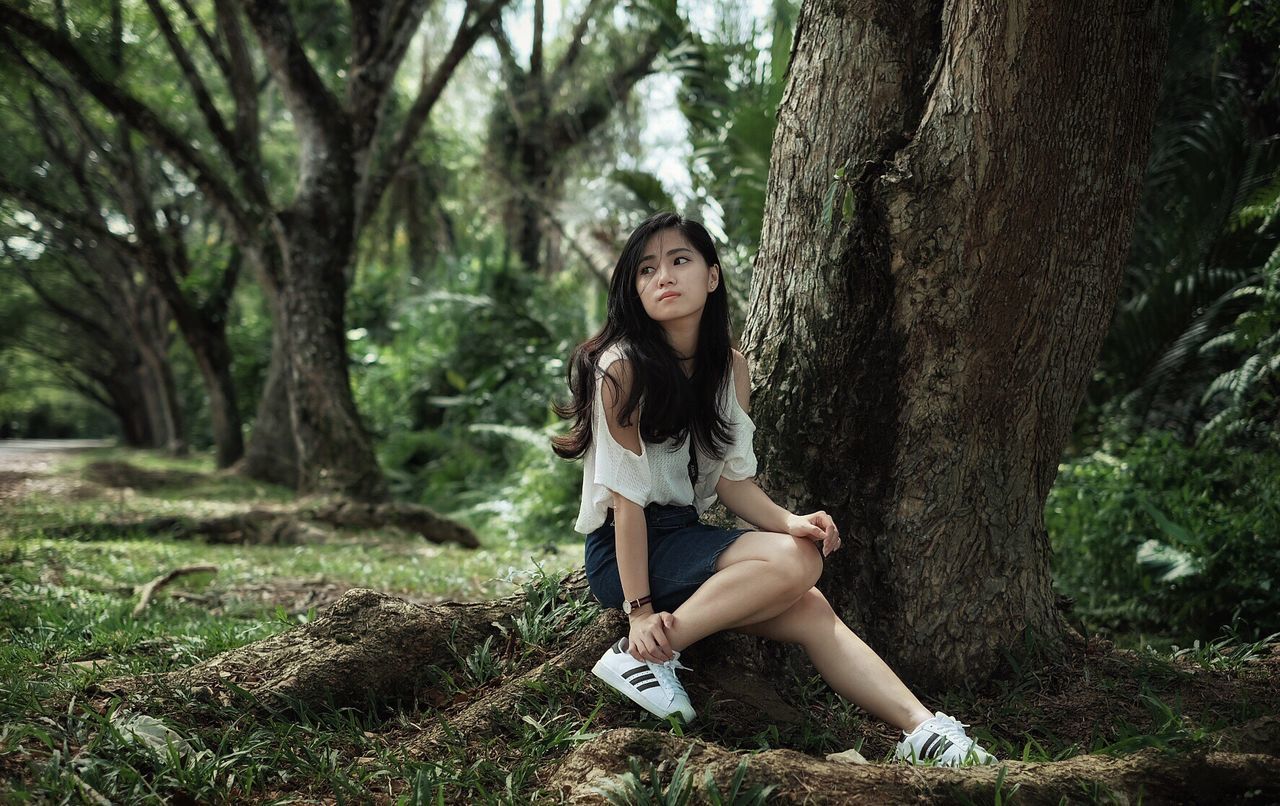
(546, 111)
(103, 328)
(926, 321)
(97, 190)
(348, 150)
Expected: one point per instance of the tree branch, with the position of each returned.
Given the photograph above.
(378, 176)
(84, 223)
(317, 113)
(125, 106)
(204, 101)
(216, 52)
(245, 88)
(568, 128)
(92, 328)
(576, 41)
(505, 51)
(380, 39)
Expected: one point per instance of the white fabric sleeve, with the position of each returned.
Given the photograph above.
(616, 467)
(740, 460)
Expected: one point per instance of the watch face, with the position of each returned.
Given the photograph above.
(626, 608)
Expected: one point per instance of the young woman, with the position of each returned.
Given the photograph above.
(660, 404)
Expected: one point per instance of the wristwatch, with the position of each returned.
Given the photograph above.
(635, 604)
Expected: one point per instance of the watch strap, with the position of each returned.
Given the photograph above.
(637, 603)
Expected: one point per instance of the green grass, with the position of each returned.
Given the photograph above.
(65, 611)
(66, 620)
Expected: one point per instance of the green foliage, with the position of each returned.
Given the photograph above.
(641, 787)
(732, 83)
(548, 616)
(457, 384)
(1229, 652)
(1188, 344)
(1159, 533)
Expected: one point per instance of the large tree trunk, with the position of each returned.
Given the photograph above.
(148, 323)
(271, 454)
(213, 357)
(130, 409)
(335, 452)
(920, 354)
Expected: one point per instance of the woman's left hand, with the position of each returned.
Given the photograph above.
(816, 526)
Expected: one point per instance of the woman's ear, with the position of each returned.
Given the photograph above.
(715, 277)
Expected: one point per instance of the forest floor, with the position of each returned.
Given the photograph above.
(97, 702)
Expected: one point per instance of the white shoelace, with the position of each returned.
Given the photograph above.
(953, 729)
(666, 674)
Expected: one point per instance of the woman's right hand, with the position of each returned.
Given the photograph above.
(648, 638)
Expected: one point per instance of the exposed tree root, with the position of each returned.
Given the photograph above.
(145, 592)
(122, 474)
(478, 716)
(367, 646)
(413, 518)
(1149, 775)
(254, 527)
(287, 527)
(373, 648)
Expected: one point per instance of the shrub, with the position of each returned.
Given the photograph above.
(1164, 536)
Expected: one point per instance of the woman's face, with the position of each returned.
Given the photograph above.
(673, 280)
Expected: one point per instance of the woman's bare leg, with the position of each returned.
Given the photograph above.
(849, 666)
(759, 576)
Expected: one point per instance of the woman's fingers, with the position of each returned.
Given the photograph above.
(662, 647)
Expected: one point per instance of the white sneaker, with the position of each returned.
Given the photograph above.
(652, 686)
(941, 740)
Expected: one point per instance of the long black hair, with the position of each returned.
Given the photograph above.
(672, 402)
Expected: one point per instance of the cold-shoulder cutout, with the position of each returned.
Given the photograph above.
(615, 388)
(659, 472)
(620, 463)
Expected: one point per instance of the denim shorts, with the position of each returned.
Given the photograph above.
(682, 555)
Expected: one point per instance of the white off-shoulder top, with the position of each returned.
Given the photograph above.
(660, 474)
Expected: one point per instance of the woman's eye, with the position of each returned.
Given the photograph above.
(682, 257)
(645, 270)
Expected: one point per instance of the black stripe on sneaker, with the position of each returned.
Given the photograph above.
(926, 750)
(648, 685)
(635, 670)
(642, 678)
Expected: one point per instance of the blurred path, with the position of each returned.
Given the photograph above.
(37, 455)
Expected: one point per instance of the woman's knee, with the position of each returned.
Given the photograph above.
(798, 560)
(794, 559)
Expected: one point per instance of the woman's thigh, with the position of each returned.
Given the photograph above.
(770, 547)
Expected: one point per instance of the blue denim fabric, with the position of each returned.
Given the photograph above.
(682, 555)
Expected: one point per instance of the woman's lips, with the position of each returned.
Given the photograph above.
(668, 295)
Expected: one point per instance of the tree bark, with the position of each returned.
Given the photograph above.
(271, 455)
(213, 358)
(334, 451)
(130, 410)
(1151, 775)
(919, 350)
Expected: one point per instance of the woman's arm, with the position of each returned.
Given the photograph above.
(647, 640)
(745, 499)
